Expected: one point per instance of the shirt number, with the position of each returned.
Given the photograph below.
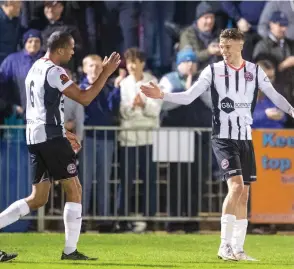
(32, 84)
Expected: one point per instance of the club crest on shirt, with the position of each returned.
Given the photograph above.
(64, 78)
(71, 168)
(224, 164)
(248, 76)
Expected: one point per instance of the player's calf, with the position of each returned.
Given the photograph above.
(72, 217)
(235, 190)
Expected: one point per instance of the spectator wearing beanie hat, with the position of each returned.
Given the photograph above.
(32, 33)
(183, 78)
(186, 55)
(14, 69)
(174, 115)
(202, 9)
(202, 36)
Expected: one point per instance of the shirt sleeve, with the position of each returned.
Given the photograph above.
(187, 97)
(58, 78)
(268, 89)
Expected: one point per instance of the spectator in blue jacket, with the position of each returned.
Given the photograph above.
(10, 27)
(98, 145)
(266, 114)
(13, 72)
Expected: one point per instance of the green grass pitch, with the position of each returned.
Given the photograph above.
(128, 251)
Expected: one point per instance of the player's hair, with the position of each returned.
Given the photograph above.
(93, 57)
(266, 64)
(232, 33)
(58, 39)
(132, 54)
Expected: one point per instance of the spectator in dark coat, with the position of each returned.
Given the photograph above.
(53, 12)
(10, 27)
(202, 36)
(277, 48)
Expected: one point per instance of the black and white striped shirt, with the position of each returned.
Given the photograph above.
(45, 83)
(234, 94)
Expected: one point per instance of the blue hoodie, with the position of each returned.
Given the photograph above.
(103, 110)
(13, 72)
(260, 119)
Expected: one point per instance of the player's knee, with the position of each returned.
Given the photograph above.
(237, 189)
(36, 202)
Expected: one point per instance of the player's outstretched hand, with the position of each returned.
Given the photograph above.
(152, 90)
(74, 141)
(110, 64)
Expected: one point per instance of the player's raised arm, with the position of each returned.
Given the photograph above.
(184, 98)
(266, 86)
(85, 97)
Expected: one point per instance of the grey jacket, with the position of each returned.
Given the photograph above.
(286, 7)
